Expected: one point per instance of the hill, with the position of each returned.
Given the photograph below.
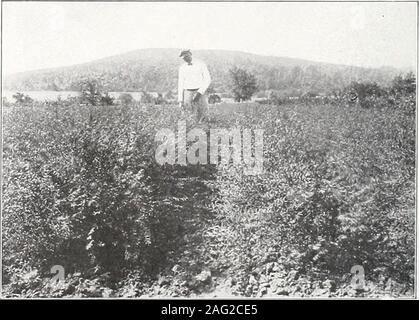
(156, 70)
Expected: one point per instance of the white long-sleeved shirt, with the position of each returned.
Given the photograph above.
(195, 76)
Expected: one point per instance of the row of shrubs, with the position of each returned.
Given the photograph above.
(338, 190)
(82, 190)
(365, 94)
(92, 93)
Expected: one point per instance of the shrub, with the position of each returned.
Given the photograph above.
(22, 99)
(367, 94)
(213, 98)
(92, 93)
(244, 84)
(322, 205)
(88, 198)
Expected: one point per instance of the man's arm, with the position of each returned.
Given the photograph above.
(206, 79)
(180, 86)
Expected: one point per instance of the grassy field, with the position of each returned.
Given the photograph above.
(81, 189)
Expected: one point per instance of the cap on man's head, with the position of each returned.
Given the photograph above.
(185, 52)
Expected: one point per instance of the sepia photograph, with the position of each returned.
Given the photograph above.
(208, 150)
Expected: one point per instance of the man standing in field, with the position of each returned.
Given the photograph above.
(194, 80)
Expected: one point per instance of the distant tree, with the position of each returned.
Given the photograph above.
(244, 84)
(214, 98)
(90, 92)
(403, 85)
(365, 93)
(296, 76)
(22, 98)
(365, 89)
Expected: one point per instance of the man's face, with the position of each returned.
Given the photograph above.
(187, 57)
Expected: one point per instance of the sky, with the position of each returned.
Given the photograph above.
(52, 34)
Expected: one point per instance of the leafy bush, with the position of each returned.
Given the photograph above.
(22, 99)
(244, 84)
(214, 98)
(81, 189)
(87, 194)
(336, 192)
(92, 93)
(367, 94)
